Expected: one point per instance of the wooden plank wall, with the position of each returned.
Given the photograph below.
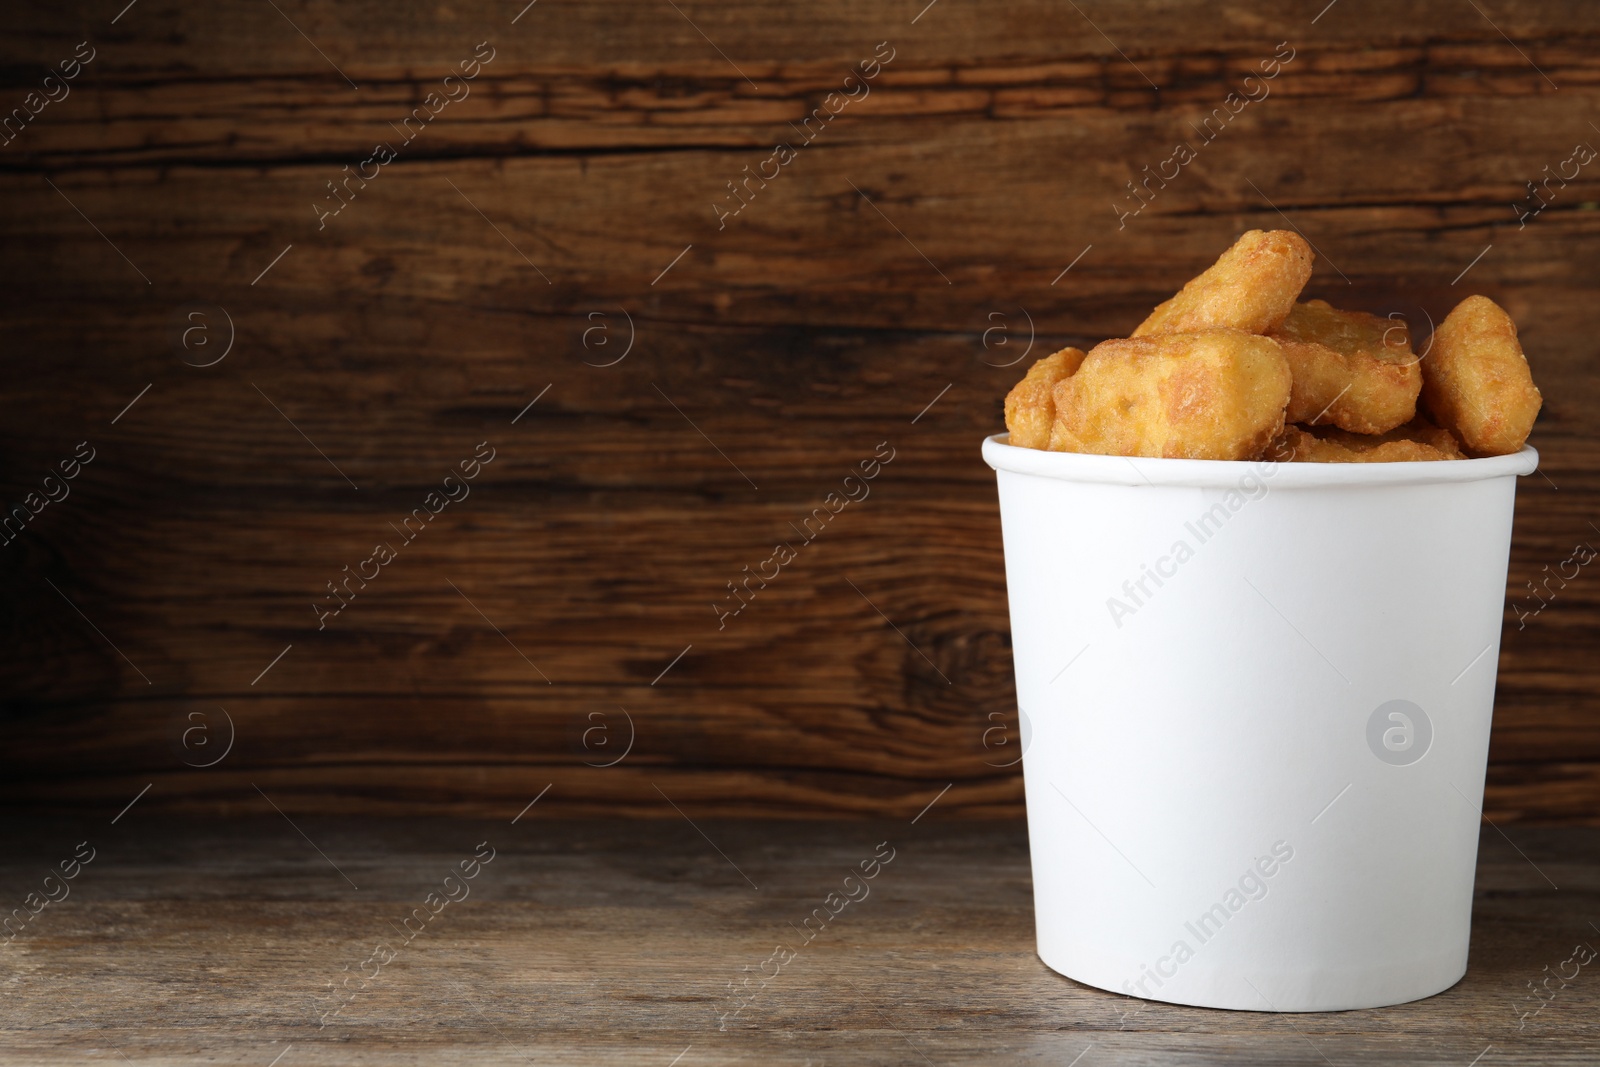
(571, 204)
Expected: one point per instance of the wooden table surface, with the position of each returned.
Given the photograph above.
(583, 942)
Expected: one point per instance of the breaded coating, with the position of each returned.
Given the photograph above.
(1030, 406)
(1351, 369)
(1211, 394)
(1476, 381)
(1421, 430)
(1416, 441)
(1251, 287)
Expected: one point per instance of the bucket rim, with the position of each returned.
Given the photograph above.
(1227, 473)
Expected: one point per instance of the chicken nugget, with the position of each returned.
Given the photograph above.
(1030, 406)
(1476, 381)
(1251, 287)
(1212, 394)
(1424, 432)
(1416, 441)
(1292, 445)
(1351, 369)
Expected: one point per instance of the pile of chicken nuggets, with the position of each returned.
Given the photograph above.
(1236, 367)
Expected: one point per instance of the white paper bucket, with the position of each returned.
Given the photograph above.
(1255, 703)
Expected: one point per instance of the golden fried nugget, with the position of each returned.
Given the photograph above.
(1030, 406)
(1212, 394)
(1251, 288)
(1476, 381)
(1424, 432)
(1351, 369)
(1418, 440)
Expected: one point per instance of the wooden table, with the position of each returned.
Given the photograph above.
(616, 942)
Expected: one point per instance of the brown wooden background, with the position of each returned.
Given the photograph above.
(797, 338)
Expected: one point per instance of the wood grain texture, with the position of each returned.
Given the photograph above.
(597, 942)
(571, 199)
